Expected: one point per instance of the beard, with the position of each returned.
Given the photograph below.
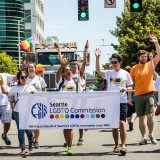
(142, 61)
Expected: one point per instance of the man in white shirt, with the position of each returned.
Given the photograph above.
(118, 80)
(5, 114)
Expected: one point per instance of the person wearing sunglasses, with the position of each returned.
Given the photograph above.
(118, 80)
(77, 74)
(40, 85)
(67, 84)
(22, 86)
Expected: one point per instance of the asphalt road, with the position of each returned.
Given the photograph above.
(98, 145)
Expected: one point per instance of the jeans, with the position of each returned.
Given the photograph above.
(21, 137)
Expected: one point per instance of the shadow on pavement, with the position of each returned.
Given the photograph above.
(153, 151)
(8, 147)
(131, 144)
(62, 153)
(105, 130)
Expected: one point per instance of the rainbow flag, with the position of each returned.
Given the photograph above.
(26, 44)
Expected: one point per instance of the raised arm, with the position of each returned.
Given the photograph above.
(98, 70)
(154, 40)
(155, 75)
(59, 74)
(3, 88)
(62, 58)
(82, 70)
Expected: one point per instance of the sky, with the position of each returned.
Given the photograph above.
(61, 20)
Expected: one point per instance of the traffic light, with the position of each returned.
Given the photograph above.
(96, 74)
(136, 5)
(83, 14)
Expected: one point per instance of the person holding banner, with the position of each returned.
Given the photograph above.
(40, 85)
(118, 80)
(66, 83)
(77, 74)
(22, 86)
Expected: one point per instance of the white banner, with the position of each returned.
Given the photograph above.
(64, 110)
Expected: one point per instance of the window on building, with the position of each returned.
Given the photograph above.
(26, 1)
(28, 33)
(27, 13)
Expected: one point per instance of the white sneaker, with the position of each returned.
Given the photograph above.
(143, 141)
(80, 142)
(153, 140)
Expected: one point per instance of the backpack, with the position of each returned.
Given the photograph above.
(61, 84)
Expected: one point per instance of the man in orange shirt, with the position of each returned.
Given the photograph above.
(144, 88)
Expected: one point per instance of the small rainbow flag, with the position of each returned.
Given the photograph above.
(25, 45)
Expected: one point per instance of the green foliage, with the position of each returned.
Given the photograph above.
(133, 30)
(8, 64)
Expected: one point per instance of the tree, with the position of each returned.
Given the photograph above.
(8, 64)
(133, 30)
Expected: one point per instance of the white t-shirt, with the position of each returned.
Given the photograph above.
(69, 85)
(157, 86)
(78, 78)
(14, 92)
(7, 78)
(38, 82)
(118, 80)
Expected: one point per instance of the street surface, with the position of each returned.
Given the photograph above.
(98, 145)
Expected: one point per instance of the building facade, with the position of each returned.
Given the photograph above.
(30, 14)
(34, 23)
(11, 11)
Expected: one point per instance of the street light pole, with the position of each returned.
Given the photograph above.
(104, 44)
(19, 51)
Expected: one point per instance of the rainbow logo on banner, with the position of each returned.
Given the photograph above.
(76, 116)
(26, 44)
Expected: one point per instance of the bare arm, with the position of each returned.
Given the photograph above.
(98, 70)
(152, 67)
(59, 74)
(82, 70)
(129, 88)
(3, 88)
(61, 57)
(154, 40)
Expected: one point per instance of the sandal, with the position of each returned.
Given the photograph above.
(123, 151)
(116, 150)
(30, 147)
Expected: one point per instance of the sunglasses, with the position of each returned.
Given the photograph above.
(67, 70)
(73, 64)
(23, 77)
(114, 62)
